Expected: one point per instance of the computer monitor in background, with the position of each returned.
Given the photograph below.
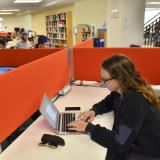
(5, 69)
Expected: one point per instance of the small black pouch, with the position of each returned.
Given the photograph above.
(51, 141)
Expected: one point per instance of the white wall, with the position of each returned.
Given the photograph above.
(10, 22)
(114, 23)
(133, 22)
(125, 26)
(90, 12)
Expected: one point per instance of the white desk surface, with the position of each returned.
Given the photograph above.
(78, 147)
(157, 87)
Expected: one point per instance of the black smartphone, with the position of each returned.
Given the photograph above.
(72, 108)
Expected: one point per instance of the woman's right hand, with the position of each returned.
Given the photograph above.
(87, 116)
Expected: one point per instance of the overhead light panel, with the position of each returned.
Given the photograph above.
(5, 13)
(10, 10)
(154, 3)
(27, 1)
(115, 10)
(52, 3)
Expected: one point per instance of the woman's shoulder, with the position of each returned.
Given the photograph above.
(135, 97)
(135, 103)
(132, 93)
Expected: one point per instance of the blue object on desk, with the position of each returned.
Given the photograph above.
(5, 69)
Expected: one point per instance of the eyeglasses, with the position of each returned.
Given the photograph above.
(106, 80)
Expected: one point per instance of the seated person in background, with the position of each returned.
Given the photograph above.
(9, 37)
(11, 44)
(136, 130)
(43, 42)
(23, 42)
(2, 43)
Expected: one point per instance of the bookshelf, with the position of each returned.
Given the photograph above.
(59, 29)
(84, 33)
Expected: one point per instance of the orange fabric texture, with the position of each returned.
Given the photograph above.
(21, 89)
(17, 57)
(4, 34)
(87, 62)
(86, 44)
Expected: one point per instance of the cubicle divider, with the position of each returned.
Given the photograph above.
(87, 62)
(85, 44)
(18, 57)
(22, 88)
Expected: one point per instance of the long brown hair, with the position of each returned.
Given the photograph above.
(121, 67)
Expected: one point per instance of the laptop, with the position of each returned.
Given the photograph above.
(57, 120)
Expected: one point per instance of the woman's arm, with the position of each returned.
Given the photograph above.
(135, 109)
(106, 105)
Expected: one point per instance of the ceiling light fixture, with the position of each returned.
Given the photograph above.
(9, 10)
(52, 3)
(4, 13)
(27, 1)
(115, 10)
(154, 3)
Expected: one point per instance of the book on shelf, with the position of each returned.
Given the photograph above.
(84, 33)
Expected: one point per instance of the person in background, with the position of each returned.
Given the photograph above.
(2, 43)
(136, 130)
(156, 35)
(11, 44)
(9, 37)
(23, 42)
(43, 42)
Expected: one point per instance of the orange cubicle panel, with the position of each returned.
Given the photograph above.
(22, 88)
(17, 57)
(85, 44)
(87, 62)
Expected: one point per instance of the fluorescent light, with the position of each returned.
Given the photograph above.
(27, 1)
(3, 13)
(9, 10)
(153, 3)
(49, 4)
(52, 3)
(115, 10)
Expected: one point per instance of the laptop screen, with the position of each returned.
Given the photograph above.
(52, 115)
(49, 111)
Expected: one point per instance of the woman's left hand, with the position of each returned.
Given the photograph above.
(77, 125)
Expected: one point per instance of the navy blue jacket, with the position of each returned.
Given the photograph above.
(136, 128)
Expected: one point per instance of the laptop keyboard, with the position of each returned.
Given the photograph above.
(66, 118)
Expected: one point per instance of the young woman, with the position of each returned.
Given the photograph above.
(136, 129)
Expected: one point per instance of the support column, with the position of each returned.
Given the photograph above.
(125, 22)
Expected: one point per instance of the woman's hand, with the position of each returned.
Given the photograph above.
(77, 125)
(87, 116)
